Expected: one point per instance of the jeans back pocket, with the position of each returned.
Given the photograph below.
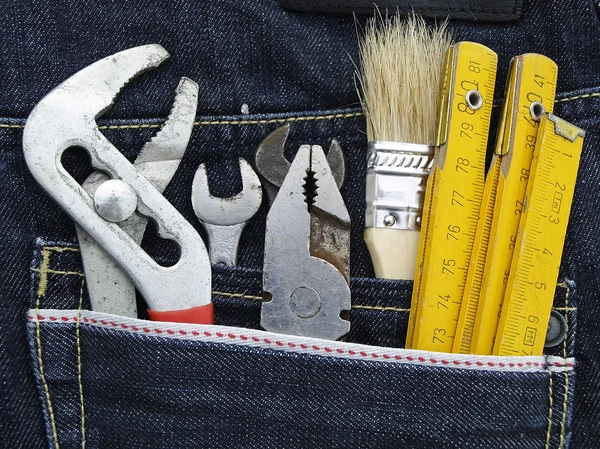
(111, 381)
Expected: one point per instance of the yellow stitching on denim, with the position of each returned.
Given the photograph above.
(386, 309)
(43, 271)
(40, 293)
(561, 442)
(593, 94)
(247, 122)
(51, 271)
(275, 120)
(10, 125)
(62, 249)
(140, 126)
(260, 298)
(567, 295)
(227, 122)
(45, 266)
(231, 295)
(238, 295)
(79, 367)
(550, 393)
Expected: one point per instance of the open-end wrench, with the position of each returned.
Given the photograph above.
(225, 218)
(66, 117)
(272, 165)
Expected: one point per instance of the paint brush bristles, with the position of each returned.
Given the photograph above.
(401, 62)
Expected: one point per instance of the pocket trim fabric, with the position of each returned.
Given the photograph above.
(305, 345)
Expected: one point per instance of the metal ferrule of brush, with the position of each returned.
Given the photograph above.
(395, 188)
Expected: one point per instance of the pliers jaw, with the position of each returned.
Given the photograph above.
(65, 118)
(306, 268)
(273, 167)
(109, 286)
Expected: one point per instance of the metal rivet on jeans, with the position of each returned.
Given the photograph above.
(557, 330)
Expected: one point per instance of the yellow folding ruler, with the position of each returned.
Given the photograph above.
(453, 197)
(530, 90)
(540, 239)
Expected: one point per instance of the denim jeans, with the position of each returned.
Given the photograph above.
(70, 376)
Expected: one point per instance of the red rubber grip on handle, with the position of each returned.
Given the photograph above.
(195, 315)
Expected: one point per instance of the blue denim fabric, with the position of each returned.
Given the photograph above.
(142, 391)
(288, 67)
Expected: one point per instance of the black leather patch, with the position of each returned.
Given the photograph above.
(479, 10)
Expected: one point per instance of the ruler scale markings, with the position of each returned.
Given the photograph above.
(528, 82)
(531, 292)
(427, 219)
(458, 168)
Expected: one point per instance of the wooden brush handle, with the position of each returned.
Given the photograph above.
(393, 252)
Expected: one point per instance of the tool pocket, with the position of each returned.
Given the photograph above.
(121, 382)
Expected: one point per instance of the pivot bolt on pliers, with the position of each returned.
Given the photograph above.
(113, 212)
(307, 252)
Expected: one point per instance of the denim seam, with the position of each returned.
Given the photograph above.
(577, 97)
(275, 120)
(440, 9)
(46, 253)
(244, 122)
(550, 393)
(79, 364)
(561, 443)
(61, 272)
(287, 343)
(386, 309)
(227, 294)
(238, 295)
(304, 118)
(45, 270)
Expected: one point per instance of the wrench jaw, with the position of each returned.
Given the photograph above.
(305, 280)
(330, 221)
(170, 143)
(66, 117)
(225, 218)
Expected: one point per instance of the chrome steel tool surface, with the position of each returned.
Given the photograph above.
(225, 218)
(110, 289)
(66, 117)
(307, 252)
(273, 166)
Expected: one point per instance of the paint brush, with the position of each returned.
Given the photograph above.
(399, 88)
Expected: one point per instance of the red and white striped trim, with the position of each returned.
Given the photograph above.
(303, 345)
